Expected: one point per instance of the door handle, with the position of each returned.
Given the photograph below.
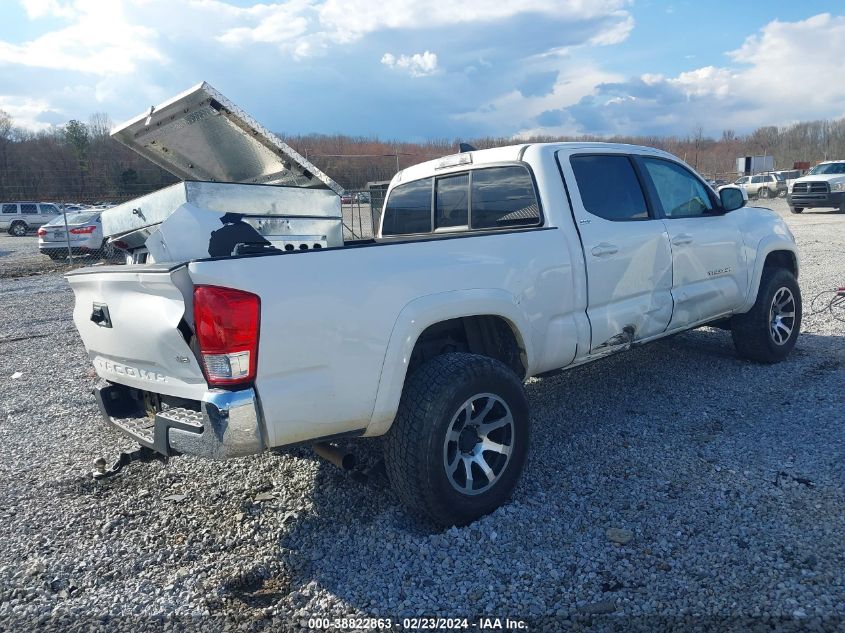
(604, 250)
(681, 239)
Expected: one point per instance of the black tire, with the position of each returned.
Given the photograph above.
(764, 192)
(18, 229)
(755, 334)
(796, 209)
(842, 207)
(419, 444)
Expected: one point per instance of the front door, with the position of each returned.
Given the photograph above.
(710, 273)
(626, 249)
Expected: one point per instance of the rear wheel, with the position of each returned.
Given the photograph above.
(796, 209)
(765, 192)
(460, 438)
(18, 229)
(767, 332)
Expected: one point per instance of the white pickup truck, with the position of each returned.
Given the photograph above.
(823, 186)
(488, 267)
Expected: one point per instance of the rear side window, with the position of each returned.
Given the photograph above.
(609, 187)
(408, 209)
(503, 197)
(451, 201)
(10, 208)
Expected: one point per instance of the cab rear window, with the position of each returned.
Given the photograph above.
(480, 199)
(408, 209)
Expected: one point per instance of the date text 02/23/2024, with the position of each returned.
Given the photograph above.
(419, 624)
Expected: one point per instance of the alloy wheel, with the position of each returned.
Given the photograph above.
(478, 445)
(782, 316)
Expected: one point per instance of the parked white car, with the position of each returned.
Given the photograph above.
(83, 233)
(488, 267)
(19, 218)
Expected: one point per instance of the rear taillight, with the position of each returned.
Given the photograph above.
(226, 323)
(42, 232)
(83, 230)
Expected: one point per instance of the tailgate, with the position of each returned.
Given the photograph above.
(132, 320)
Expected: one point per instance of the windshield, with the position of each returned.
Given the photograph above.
(828, 168)
(74, 219)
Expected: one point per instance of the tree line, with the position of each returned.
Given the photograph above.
(79, 162)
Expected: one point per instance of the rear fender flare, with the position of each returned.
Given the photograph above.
(423, 312)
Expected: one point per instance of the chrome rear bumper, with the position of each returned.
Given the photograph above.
(224, 424)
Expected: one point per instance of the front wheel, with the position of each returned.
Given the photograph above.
(767, 332)
(764, 193)
(796, 209)
(460, 438)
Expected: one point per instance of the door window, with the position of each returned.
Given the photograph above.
(29, 209)
(681, 194)
(451, 201)
(49, 209)
(756, 180)
(10, 208)
(609, 187)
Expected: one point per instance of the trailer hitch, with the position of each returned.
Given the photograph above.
(143, 454)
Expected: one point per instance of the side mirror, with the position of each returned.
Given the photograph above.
(732, 197)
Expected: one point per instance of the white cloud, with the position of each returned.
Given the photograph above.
(42, 8)
(99, 41)
(617, 33)
(779, 75)
(515, 112)
(116, 54)
(417, 65)
(349, 20)
(26, 113)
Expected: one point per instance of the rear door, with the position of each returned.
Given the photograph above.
(709, 266)
(130, 320)
(626, 249)
(29, 214)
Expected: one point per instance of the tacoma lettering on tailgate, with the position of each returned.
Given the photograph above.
(126, 370)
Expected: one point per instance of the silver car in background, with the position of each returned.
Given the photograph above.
(84, 235)
(19, 218)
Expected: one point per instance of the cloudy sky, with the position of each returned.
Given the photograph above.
(416, 69)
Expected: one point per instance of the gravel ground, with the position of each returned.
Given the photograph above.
(671, 487)
(19, 257)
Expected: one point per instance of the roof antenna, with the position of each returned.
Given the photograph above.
(466, 147)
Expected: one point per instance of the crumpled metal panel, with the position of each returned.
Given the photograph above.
(201, 135)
